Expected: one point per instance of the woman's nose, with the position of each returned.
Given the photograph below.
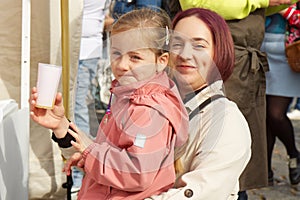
(186, 52)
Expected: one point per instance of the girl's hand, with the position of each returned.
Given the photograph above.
(49, 118)
(74, 160)
(82, 140)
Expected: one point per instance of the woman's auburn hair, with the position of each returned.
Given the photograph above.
(222, 39)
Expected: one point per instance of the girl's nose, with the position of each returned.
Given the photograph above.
(123, 63)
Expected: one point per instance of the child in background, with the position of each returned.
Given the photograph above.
(133, 154)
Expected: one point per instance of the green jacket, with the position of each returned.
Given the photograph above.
(240, 10)
(225, 8)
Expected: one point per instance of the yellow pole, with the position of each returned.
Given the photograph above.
(65, 53)
(65, 48)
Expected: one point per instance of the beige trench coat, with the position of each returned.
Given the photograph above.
(217, 152)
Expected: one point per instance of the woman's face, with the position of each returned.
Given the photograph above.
(192, 51)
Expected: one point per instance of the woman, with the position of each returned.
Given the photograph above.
(282, 86)
(246, 86)
(219, 145)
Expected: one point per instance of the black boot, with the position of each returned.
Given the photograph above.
(270, 178)
(242, 195)
(294, 170)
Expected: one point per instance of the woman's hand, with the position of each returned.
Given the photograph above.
(279, 2)
(74, 160)
(49, 118)
(82, 140)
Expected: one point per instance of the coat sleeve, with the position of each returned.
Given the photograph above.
(143, 149)
(275, 9)
(221, 156)
(226, 8)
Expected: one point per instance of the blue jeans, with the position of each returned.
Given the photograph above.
(294, 106)
(86, 73)
(148, 3)
(123, 6)
(297, 105)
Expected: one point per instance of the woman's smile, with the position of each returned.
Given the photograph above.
(185, 68)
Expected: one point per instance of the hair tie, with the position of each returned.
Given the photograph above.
(167, 35)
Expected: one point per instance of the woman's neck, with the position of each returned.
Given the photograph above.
(190, 95)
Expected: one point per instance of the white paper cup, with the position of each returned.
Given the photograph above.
(47, 84)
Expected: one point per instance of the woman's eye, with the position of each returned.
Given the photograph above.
(198, 46)
(176, 45)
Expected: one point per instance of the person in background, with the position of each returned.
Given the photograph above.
(91, 45)
(292, 14)
(132, 156)
(219, 146)
(294, 110)
(282, 86)
(120, 7)
(246, 86)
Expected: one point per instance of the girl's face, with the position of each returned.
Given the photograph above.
(131, 63)
(192, 51)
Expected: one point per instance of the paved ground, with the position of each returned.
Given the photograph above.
(281, 190)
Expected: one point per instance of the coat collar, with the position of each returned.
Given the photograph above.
(207, 92)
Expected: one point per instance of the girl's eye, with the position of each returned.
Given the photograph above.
(115, 54)
(135, 58)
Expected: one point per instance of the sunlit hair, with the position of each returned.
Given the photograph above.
(152, 24)
(222, 39)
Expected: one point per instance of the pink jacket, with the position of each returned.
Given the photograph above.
(132, 157)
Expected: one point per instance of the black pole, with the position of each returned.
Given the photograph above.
(68, 185)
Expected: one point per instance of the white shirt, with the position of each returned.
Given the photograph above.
(94, 12)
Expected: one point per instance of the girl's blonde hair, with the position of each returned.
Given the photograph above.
(154, 26)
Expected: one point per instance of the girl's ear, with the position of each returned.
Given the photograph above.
(162, 61)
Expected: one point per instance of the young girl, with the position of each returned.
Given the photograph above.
(133, 154)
